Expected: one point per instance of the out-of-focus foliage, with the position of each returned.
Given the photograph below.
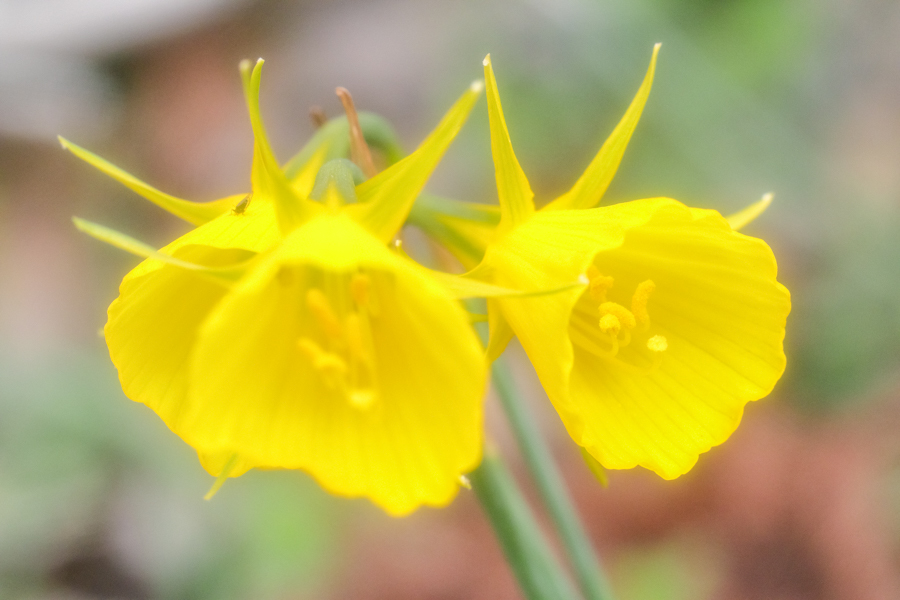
(677, 570)
(848, 343)
(87, 478)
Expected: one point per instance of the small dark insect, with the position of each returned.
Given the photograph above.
(241, 206)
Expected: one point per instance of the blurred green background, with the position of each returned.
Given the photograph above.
(796, 97)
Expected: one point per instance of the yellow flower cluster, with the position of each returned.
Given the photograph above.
(284, 331)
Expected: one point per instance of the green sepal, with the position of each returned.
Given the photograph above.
(386, 199)
(333, 140)
(341, 173)
(464, 228)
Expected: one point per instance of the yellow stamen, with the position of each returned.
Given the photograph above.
(341, 350)
(343, 355)
(322, 361)
(362, 293)
(639, 303)
(320, 307)
(599, 284)
(614, 343)
(609, 323)
(359, 289)
(626, 319)
(618, 327)
(362, 399)
(657, 343)
(356, 344)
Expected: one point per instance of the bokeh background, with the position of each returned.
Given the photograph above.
(797, 97)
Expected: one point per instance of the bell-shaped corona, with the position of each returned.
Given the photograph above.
(679, 322)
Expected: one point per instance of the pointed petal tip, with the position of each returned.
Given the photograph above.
(249, 68)
(654, 56)
(224, 474)
(63, 142)
(747, 215)
(477, 86)
(487, 61)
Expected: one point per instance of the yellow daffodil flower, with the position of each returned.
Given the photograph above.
(679, 323)
(282, 332)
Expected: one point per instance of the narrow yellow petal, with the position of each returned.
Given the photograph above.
(195, 213)
(305, 177)
(254, 230)
(590, 187)
(595, 468)
(386, 199)
(133, 246)
(746, 216)
(513, 190)
(268, 181)
(331, 140)
(463, 287)
(469, 286)
(222, 477)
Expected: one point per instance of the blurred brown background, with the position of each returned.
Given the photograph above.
(798, 97)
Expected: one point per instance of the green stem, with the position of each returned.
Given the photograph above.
(551, 488)
(539, 574)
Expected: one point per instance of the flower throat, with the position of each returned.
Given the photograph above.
(339, 347)
(614, 326)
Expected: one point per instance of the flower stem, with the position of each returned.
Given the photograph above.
(537, 570)
(551, 488)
